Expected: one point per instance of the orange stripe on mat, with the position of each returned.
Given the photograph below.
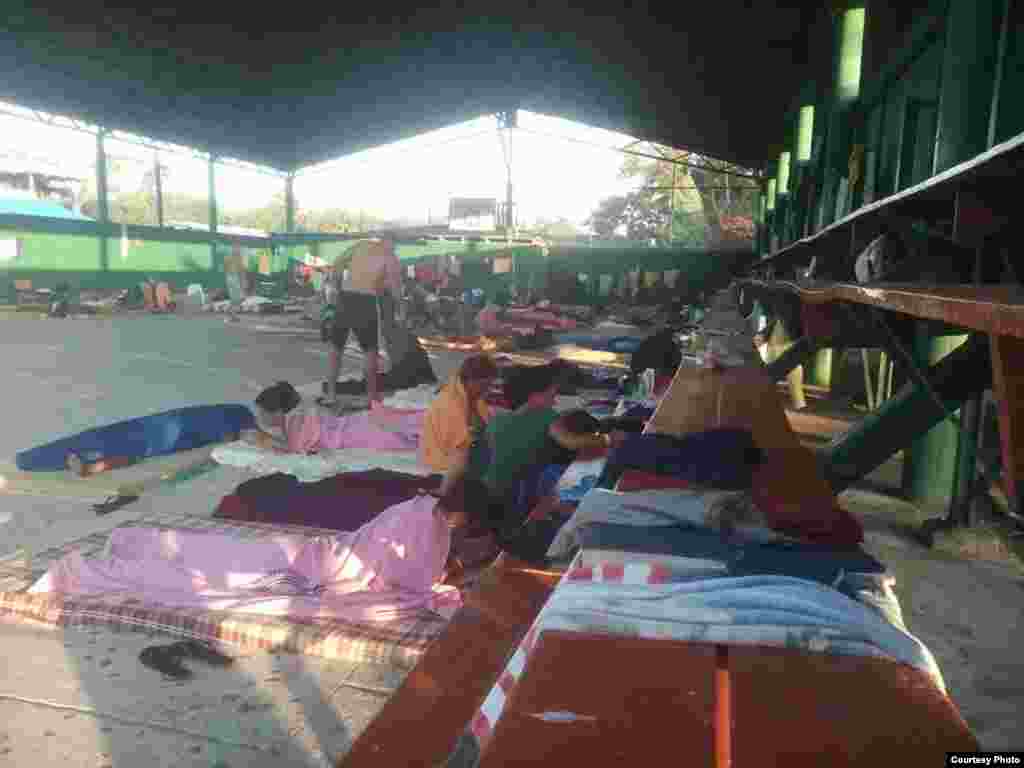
(723, 709)
(420, 724)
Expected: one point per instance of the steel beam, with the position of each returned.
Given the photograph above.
(909, 414)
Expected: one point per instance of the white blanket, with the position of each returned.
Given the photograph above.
(309, 469)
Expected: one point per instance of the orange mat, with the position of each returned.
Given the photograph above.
(420, 724)
(596, 700)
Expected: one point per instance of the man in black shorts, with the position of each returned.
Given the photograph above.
(373, 273)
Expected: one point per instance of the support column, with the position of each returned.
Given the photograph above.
(1008, 388)
(158, 189)
(289, 203)
(973, 30)
(929, 465)
(215, 258)
(850, 24)
(212, 189)
(910, 412)
(819, 371)
(102, 199)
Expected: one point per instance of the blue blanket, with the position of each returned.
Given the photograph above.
(718, 458)
(161, 434)
(624, 345)
(855, 573)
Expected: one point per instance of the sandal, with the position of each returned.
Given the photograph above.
(204, 652)
(166, 660)
(113, 503)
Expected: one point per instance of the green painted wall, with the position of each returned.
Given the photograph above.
(48, 259)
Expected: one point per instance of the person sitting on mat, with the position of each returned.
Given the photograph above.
(289, 424)
(527, 438)
(660, 352)
(457, 414)
(373, 272)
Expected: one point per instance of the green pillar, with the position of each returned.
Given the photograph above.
(930, 464)
(849, 47)
(102, 196)
(969, 71)
(819, 370)
(289, 203)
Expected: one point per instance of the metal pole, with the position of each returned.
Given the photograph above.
(102, 202)
(672, 206)
(212, 164)
(510, 124)
(158, 189)
(216, 262)
(289, 203)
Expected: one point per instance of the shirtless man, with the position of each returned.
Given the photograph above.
(372, 274)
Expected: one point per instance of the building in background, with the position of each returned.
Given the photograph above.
(473, 214)
(38, 178)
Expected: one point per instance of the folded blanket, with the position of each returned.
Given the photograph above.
(715, 458)
(652, 509)
(756, 610)
(309, 469)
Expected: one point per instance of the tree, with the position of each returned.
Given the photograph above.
(637, 216)
(685, 204)
(559, 228)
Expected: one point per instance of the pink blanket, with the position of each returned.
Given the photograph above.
(521, 321)
(380, 429)
(383, 571)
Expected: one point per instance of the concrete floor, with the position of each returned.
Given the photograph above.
(81, 697)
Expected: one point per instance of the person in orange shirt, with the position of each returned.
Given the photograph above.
(456, 414)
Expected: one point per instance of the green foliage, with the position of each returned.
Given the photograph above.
(559, 228)
(139, 207)
(683, 204)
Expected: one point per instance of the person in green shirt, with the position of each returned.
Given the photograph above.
(522, 440)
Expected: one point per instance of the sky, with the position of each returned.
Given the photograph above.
(559, 169)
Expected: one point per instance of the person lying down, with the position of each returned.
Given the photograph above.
(287, 423)
(393, 566)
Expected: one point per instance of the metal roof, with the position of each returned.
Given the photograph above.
(289, 86)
